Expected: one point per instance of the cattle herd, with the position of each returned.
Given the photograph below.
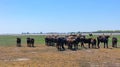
(72, 41)
(30, 42)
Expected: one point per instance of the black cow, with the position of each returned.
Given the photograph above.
(18, 41)
(102, 39)
(85, 40)
(46, 40)
(93, 42)
(90, 34)
(60, 43)
(114, 42)
(89, 41)
(50, 40)
(30, 42)
(82, 41)
(76, 42)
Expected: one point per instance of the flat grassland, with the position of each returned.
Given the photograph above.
(44, 56)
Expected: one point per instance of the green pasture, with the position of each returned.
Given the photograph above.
(10, 40)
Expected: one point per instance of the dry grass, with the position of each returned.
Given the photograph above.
(43, 56)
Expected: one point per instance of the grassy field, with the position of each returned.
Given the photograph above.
(44, 56)
(10, 40)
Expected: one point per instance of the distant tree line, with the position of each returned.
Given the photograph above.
(99, 31)
(107, 31)
(31, 33)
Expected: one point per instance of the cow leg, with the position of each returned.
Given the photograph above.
(82, 44)
(88, 45)
(49, 43)
(98, 44)
(92, 45)
(27, 45)
(71, 46)
(32, 45)
(53, 44)
(112, 44)
(68, 46)
(63, 47)
(19, 44)
(60, 47)
(116, 45)
(107, 44)
(95, 45)
(75, 46)
(57, 46)
(104, 44)
(46, 43)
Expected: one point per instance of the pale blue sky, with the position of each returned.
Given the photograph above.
(18, 16)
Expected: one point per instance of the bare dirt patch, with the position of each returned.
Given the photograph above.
(44, 56)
